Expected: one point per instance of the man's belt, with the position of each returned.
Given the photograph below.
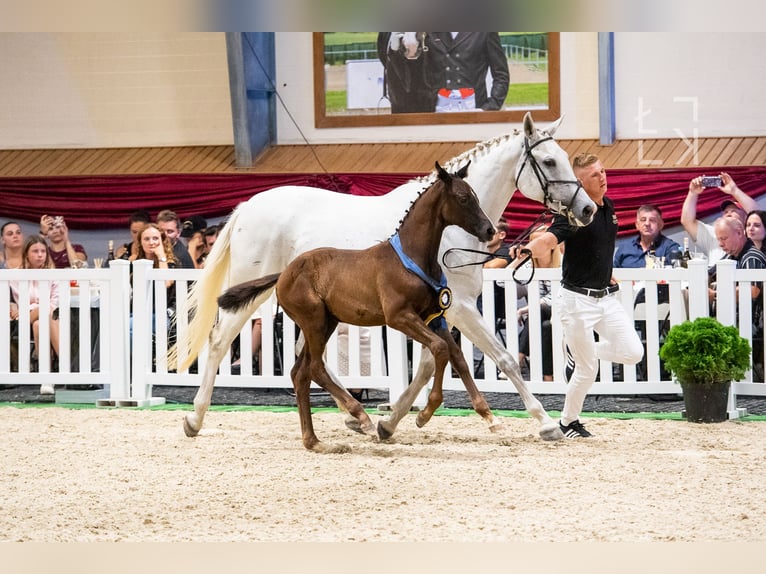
(595, 293)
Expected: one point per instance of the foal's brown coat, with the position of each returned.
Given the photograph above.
(370, 287)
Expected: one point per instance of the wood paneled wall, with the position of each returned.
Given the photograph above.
(361, 158)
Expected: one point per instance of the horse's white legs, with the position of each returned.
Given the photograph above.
(469, 321)
(221, 337)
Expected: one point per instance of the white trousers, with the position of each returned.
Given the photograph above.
(618, 342)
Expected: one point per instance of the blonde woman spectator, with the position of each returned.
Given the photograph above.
(13, 244)
(36, 256)
(136, 222)
(155, 246)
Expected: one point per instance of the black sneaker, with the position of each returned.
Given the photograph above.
(570, 364)
(575, 429)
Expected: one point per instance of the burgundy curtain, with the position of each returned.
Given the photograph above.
(106, 201)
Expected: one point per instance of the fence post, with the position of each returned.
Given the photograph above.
(117, 304)
(726, 292)
(699, 303)
(141, 329)
(726, 313)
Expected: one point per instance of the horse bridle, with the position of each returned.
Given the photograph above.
(544, 182)
(525, 254)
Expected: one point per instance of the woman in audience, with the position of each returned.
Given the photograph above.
(755, 228)
(13, 244)
(63, 252)
(155, 246)
(136, 222)
(36, 256)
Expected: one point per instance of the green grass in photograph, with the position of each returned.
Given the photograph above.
(335, 102)
(335, 38)
(527, 95)
(519, 95)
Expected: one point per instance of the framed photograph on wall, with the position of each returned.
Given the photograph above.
(366, 79)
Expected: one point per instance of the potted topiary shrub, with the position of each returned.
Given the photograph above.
(705, 356)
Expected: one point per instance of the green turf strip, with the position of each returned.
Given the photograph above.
(439, 412)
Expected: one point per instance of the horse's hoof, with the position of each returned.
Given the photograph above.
(370, 430)
(385, 430)
(551, 432)
(189, 430)
(496, 427)
(325, 448)
(422, 419)
(354, 424)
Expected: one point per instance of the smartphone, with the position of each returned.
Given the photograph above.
(711, 181)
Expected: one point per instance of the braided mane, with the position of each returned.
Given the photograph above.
(453, 164)
(471, 154)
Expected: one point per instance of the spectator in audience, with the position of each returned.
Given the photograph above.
(549, 259)
(193, 230)
(730, 234)
(255, 347)
(210, 236)
(155, 246)
(36, 255)
(755, 228)
(136, 222)
(169, 224)
(11, 256)
(497, 246)
(702, 234)
(649, 241)
(63, 252)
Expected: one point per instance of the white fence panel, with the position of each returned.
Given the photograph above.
(122, 342)
(92, 329)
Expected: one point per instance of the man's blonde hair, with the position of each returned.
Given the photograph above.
(584, 160)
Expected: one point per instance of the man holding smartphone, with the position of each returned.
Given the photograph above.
(737, 205)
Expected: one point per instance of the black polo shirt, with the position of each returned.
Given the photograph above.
(589, 250)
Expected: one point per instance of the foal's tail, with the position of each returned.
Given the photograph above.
(241, 295)
(200, 301)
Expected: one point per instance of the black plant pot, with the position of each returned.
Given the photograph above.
(706, 403)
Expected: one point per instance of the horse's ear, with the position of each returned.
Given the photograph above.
(529, 126)
(463, 170)
(443, 175)
(551, 129)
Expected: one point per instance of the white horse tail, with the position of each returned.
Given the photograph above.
(201, 299)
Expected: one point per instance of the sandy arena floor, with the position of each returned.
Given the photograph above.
(123, 475)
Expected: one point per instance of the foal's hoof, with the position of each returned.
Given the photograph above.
(496, 427)
(189, 429)
(385, 430)
(353, 424)
(551, 431)
(422, 419)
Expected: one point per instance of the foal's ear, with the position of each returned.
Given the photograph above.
(443, 175)
(463, 170)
